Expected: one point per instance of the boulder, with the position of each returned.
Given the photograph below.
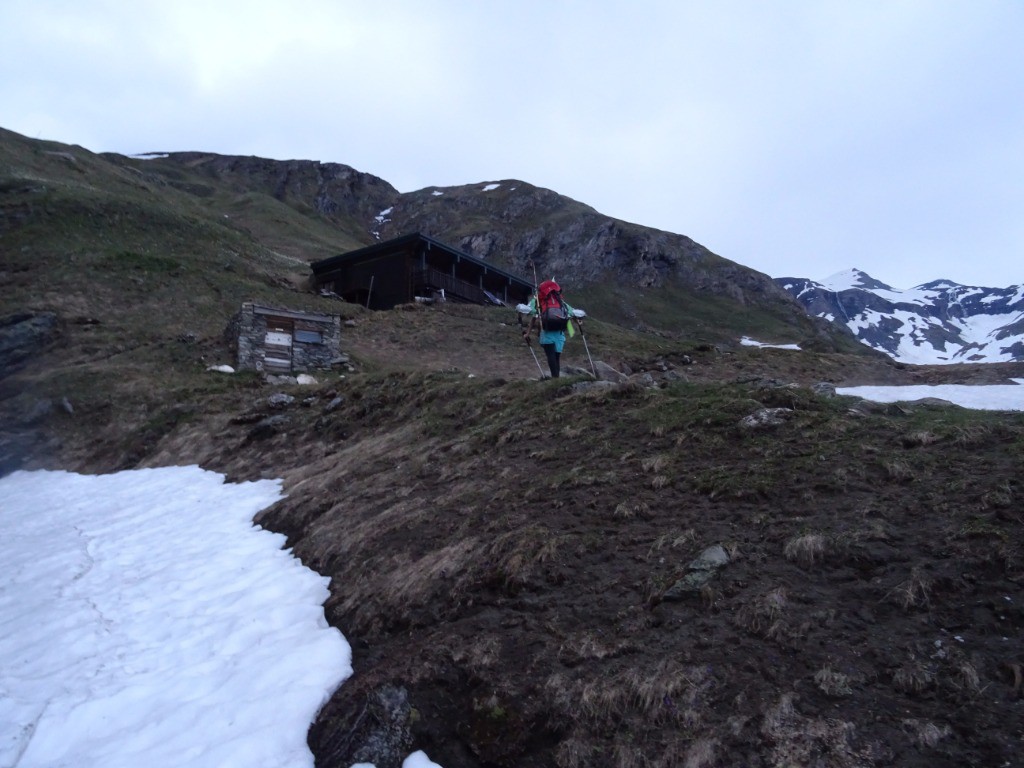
(766, 418)
(699, 572)
(606, 373)
(824, 388)
(280, 400)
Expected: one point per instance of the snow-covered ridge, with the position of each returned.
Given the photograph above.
(936, 323)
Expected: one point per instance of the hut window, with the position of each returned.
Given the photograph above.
(308, 337)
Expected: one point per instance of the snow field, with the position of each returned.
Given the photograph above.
(144, 620)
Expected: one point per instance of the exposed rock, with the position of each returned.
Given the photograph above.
(710, 559)
(280, 400)
(766, 417)
(824, 388)
(606, 373)
(377, 731)
(332, 189)
(699, 572)
(644, 380)
(22, 335)
(268, 427)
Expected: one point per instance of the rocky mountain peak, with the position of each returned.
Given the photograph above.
(938, 322)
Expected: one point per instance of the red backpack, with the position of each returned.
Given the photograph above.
(554, 315)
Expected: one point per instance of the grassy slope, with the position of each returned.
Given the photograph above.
(503, 547)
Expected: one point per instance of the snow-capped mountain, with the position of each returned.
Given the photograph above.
(937, 323)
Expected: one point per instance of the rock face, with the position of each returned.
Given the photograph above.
(936, 323)
(22, 335)
(519, 226)
(332, 189)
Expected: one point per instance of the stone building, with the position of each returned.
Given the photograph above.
(273, 340)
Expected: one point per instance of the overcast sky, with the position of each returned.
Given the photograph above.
(800, 138)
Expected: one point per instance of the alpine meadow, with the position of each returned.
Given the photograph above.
(685, 551)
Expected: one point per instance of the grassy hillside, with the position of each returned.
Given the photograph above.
(513, 559)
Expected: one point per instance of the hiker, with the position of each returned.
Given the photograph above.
(551, 314)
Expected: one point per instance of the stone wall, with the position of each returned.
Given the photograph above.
(247, 332)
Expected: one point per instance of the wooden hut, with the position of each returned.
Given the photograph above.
(416, 267)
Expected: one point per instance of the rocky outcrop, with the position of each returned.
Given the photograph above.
(519, 227)
(22, 335)
(333, 190)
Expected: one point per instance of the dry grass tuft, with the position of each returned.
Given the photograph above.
(926, 734)
(798, 740)
(898, 470)
(832, 683)
(576, 752)
(655, 464)
(806, 550)
(517, 554)
(628, 511)
(966, 678)
(663, 692)
(913, 592)
(913, 677)
(660, 481)
(764, 615)
(973, 436)
(919, 438)
(672, 541)
(586, 646)
(479, 654)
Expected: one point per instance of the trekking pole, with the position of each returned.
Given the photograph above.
(587, 347)
(529, 346)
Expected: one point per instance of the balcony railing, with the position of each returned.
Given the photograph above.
(454, 289)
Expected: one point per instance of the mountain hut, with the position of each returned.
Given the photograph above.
(416, 267)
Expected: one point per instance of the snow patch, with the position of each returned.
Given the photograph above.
(992, 397)
(147, 621)
(435, 193)
(490, 187)
(746, 341)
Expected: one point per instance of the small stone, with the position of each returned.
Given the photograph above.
(280, 400)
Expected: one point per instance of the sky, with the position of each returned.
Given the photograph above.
(128, 640)
(797, 137)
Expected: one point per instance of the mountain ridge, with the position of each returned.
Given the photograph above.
(939, 322)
